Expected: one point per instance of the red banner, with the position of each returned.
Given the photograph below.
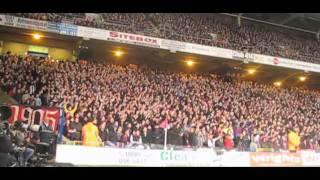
(35, 115)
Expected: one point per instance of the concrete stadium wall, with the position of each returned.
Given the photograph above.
(15, 48)
(22, 49)
(57, 53)
(19, 44)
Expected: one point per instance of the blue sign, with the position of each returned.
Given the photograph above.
(68, 29)
(53, 27)
(63, 28)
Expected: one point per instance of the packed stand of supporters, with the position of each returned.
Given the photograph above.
(124, 22)
(213, 30)
(255, 37)
(130, 103)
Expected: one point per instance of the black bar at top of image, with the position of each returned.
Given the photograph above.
(159, 6)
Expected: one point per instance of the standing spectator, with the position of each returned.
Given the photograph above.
(75, 128)
(125, 139)
(135, 139)
(38, 101)
(212, 141)
(69, 110)
(237, 131)
(157, 135)
(145, 136)
(244, 141)
(90, 134)
(294, 140)
(228, 141)
(102, 132)
(25, 97)
(112, 137)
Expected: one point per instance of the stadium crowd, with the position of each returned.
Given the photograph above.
(130, 103)
(214, 30)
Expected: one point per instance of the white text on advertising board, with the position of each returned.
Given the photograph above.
(275, 159)
(34, 24)
(173, 45)
(9, 21)
(240, 55)
(173, 156)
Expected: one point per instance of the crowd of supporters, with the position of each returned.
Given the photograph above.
(129, 104)
(213, 30)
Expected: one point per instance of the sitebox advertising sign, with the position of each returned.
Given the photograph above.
(133, 39)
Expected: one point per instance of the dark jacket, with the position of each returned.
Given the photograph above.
(19, 138)
(76, 135)
(193, 139)
(5, 144)
(174, 138)
(157, 136)
(45, 127)
(103, 135)
(146, 138)
(112, 136)
(5, 148)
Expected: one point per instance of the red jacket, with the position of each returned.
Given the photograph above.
(228, 143)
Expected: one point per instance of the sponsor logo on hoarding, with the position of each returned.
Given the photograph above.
(275, 61)
(87, 32)
(173, 45)
(63, 28)
(68, 29)
(9, 20)
(2, 19)
(240, 55)
(275, 159)
(92, 33)
(133, 157)
(311, 158)
(200, 48)
(53, 27)
(132, 38)
(173, 156)
(33, 24)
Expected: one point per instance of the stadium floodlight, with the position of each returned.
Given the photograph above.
(302, 78)
(251, 71)
(189, 62)
(118, 53)
(277, 83)
(36, 36)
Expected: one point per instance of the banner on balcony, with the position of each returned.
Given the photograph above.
(35, 115)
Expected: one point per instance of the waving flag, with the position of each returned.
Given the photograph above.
(164, 124)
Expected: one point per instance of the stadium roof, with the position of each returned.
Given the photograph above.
(305, 21)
